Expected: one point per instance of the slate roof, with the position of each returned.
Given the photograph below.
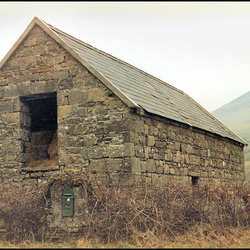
(136, 87)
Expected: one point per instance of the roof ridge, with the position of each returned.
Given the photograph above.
(114, 58)
(159, 81)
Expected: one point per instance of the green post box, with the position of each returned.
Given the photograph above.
(67, 202)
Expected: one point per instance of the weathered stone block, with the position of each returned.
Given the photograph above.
(77, 97)
(148, 180)
(23, 134)
(177, 146)
(30, 42)
(151, 165)
(124, 150)
(143, 166)
(150, 141)
(156, 179)
(172, 171)
(135, 165)
(9, 158)
(98, 165)
(94, 152)
(69, 62)
(6, 75)
(96, 95)
(82, 112)
(164, 180)
(13, 117)
(67, 83)
(64, 111)
(147, 152)
(119, 126)
(70, 160)
(114, 165)
(146, 129)
(166, 169)
(40, 69)
(159, 170)
(28, 62)
(138, 126)
(139, 152)
(6, 107)
(177, 157)
(66, 140)
(168, 155)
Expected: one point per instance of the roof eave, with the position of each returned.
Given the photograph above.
(226, 128)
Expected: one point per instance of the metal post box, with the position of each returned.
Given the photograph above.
(67, 202)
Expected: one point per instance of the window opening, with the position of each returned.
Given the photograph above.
(42, 129)
(195, 180)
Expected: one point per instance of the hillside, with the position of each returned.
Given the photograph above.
(236, 116)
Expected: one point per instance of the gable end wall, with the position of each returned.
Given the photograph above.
(93, 124)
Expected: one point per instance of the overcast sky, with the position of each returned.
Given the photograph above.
(202, 48)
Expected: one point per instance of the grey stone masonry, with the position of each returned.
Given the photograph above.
(169, 152)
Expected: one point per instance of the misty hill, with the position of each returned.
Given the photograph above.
(236, 116)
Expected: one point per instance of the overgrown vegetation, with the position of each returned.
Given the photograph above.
(137, 215)
(121, 211)
(22, 213)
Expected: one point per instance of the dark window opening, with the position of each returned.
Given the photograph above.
(195, 180)
(42, 113)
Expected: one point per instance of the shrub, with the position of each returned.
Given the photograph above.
(120, 211)
(125, 213)
(23, 213)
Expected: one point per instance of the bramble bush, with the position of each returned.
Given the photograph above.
(121, 212)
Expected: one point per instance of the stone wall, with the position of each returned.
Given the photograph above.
(169, 152)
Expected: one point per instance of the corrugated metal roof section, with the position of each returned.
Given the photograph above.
(152, 94)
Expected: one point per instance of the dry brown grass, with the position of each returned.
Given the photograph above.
(120, 212)
(199, 236)
(177, 216)
(23, 214)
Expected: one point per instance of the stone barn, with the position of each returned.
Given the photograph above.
(67, 106)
